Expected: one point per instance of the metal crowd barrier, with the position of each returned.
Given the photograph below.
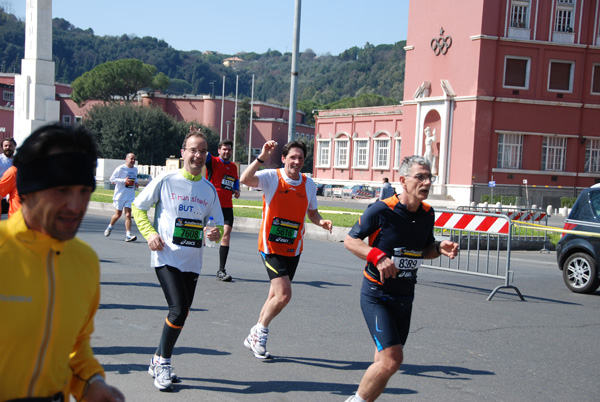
(484, 240)
(526, 215)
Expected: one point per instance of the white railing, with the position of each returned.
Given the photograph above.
(152, 170)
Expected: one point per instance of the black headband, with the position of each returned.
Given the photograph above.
(62, 169)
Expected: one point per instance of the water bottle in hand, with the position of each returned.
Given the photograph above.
(207, 241)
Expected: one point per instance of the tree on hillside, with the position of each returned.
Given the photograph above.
(309, 157)
(117, 80)
(146, 131)
(243, 127)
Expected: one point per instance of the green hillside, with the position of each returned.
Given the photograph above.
(324, 79)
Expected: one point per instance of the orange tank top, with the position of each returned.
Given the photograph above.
(282, 226)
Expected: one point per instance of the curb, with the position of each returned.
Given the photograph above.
(249, 225)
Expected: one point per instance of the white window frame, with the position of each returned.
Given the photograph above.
(527, 72)
(595, 66)
(324, 153)
(592, 155)
(510, 151)
(360, 157)
(519, 14)
(342, 154)
(554, 153)
(8, 96)
(571, 77)
(381, 161)
(66, 120)
(78, 120)
(398, 148)
(564, 17)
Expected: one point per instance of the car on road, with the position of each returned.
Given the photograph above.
(143, 179)
(320, 187)
(328, 190)
(577, 254)
(359, 191)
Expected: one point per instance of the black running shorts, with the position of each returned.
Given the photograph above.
(227, 216)
(387, 317)
(279, 265)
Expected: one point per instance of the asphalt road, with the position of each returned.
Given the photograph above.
(460, 348)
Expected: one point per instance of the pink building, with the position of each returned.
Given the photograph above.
(508, 89)
(7, 101)
(270, 123)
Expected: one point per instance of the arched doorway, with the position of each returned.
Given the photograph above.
(431, 139)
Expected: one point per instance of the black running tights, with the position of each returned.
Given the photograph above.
(179, 288)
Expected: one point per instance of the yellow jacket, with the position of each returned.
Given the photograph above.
(49, 294)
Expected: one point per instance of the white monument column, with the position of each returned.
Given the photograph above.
(35, 94)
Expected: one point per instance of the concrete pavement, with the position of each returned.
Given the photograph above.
(460, 348)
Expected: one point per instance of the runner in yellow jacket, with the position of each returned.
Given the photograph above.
(49, 280)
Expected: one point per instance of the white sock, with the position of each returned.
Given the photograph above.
(259, 326)
(358, 398)
(110, 226)
(128, 234)
(163, 360)
(155, 359)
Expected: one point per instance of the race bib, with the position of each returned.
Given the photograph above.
(407, 261)
(283, 231)
(227, 182)
(188, 232)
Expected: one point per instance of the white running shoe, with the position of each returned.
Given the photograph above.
(130, 238)
(256, 341)
(162, 377)
(107, 232)
(174, 378)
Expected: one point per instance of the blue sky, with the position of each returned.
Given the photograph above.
(231, 26)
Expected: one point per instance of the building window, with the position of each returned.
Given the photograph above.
(78, 120)
(592, 156)
(564, 16)
(516, 72)
(397, 159)
(324, 148)
(8, 96)
(341, 153)
(554, 150)
(510, 151)
(361, 154)
(519, 14)
(381, 153)
(596, 79)
(66, 120)
(560, 77)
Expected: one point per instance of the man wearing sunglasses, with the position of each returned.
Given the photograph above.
(400, 231)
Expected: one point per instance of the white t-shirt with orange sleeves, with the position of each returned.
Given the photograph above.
(294, 209)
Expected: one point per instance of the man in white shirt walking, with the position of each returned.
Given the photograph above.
(125, 180)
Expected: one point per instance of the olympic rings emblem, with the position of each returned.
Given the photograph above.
(441, 45)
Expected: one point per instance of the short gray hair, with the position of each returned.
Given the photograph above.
(409, 161)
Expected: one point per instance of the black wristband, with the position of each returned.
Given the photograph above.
(260, 160)
(437, 247)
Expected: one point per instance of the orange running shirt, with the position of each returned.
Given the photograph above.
(285, 204)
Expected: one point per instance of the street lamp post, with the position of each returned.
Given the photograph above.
(228, 122)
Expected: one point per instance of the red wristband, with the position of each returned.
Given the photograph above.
(375, 255)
